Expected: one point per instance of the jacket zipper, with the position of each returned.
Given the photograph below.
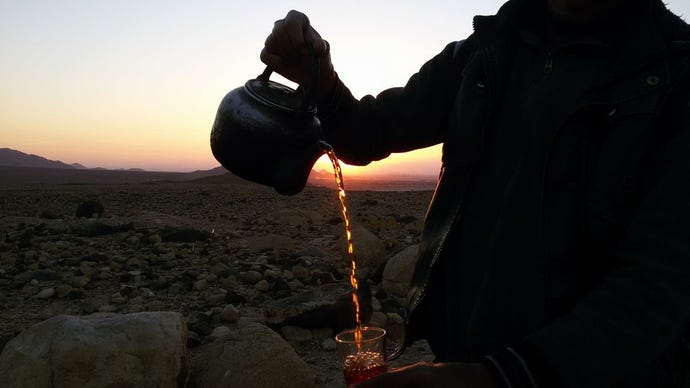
(437, 253)
(548, 64)
(491, 80)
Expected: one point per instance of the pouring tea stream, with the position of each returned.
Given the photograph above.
(270, 134)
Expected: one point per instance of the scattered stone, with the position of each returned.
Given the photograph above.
(379, 224)
(280, 286)
(161, 283)
(397, 274)
(270, 274)
(234, 298)
(395, 325)
(45, 275)
(321, 277)
(220, 331)
(301, 273)
(155, 305)
(193, 339)
(261, 285)
(133, 241)
(75, 294)
(88, 268)
(296, 335)
(329, 306)
(4, 339)
(328, 344)
(118, 298)
(378, 319)
(311, 251)
(201, 285)
(256, 357)
(405, 219)
(375, 304)
(188, 235)
(229, 283)
(371, 250)
(217, 298)
(199, 323)
(45, 293)
(220, 269)
(63, 290)
(230, 314)
(322, 333)
(295, 285)
(107, 308)
(271, 242)
(154, 239)
(293, 218)
(136, 350)
(90, 209)
(250, 277)
(80, 281)
(49, 215)
(97, 229)
(390, 305)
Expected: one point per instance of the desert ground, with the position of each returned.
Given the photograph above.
(196, 248)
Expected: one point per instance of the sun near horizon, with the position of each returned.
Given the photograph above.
(136, 84)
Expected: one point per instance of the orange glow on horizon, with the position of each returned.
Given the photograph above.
(422, 162)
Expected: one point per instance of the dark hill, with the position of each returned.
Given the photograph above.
(14, 158)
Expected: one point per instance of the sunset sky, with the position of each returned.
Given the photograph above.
(136, 83)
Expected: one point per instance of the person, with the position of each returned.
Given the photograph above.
(556, 248)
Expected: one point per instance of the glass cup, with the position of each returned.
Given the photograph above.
(364, 360)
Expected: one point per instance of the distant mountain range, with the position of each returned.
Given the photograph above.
(14, 158)
(17, 167)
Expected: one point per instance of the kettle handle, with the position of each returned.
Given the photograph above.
(310, 93)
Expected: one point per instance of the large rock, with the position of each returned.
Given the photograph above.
(369, 250)
(329, 305)
(100, 350)
(397, 274)
(252, 357)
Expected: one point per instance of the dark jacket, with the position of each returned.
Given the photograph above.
(613, 307)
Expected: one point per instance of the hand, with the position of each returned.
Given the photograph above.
(430, 375)
(287, 52)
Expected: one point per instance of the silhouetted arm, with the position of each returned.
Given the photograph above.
(398, 119)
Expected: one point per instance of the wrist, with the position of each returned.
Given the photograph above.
(476, 375)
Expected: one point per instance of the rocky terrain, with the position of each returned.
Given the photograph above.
(219, 254)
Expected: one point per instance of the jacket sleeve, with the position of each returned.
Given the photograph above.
(637, 312)
(398, 119)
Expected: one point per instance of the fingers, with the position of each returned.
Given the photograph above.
(412, 376)
(287, 38)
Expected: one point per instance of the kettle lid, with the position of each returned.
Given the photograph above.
(279, 96)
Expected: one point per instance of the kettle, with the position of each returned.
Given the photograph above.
(269, 133)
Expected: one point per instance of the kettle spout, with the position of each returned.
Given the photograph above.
(325, 146)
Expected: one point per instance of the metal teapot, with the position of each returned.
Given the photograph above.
(269, 133)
